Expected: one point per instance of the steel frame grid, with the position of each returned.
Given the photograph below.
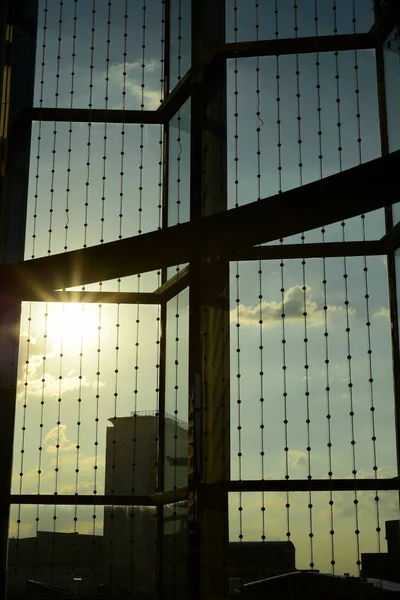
(171, 104)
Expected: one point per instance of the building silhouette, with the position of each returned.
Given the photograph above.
(132, 468)
(384, 565)
(83, 564)
(69, 561)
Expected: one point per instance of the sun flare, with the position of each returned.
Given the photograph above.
(72, 324)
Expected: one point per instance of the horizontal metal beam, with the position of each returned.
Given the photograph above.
(168, 497)
(167, 109)
(91, 297)
(305, 45)
(361, 189)
(93, 115)
(312, 250)
(315, 485)
(80, 499)
(181, 494)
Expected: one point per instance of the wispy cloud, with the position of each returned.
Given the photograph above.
(296, 304)
(57, 436)
(141, 83)
(383, 312)
(297, 458)
(36, 380)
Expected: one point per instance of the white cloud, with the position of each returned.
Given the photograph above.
(382, 312)
(297, 458)
(35, 380)
(58, 436)
(133, 82)
(294, 305)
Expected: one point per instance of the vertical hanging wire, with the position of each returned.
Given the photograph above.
(308, 414)
(298, 96)
(237, 276)
(41, 424)
(163, 216)
(39, 137)
(137, 320)
(175, 586)
(105, 137)
(371, 393)
(357, 99)
(43, 379)
(366, 295)
(157, 566)
(285, 396)
(52, 184)
(34, 238)
(328, 404)
(54, 150)
(345, 276)
(278, 106)
(71, 105)
(325, 309)
(110, 514)
(351, 399)
(78, 432)
(57, 457)
(304, 287)
(179, 40)
(66, 227)
(85, 240)
(260, 282)
(158, 489)
(337, 78)
(33, 255)
(102, 225)
(89, 142)
(282, 279)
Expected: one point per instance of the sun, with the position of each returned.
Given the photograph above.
(71, 324)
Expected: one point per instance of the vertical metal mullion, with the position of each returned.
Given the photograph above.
(195, 289)
(21, 15)
(163, 314)
(391, 265)
(208, 316)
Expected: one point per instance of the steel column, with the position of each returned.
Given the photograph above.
(209, 444)
(391, 266)
(17, 69)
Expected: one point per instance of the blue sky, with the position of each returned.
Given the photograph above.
(86, 373)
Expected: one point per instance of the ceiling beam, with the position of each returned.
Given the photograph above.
(361, 189)
(310, 250)
(93, 115)
(35, 295)
(314, 485)
(300, 45)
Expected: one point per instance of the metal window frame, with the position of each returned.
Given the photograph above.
(172, 246)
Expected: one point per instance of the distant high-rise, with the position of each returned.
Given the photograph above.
(132, 463)
(132, 468)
